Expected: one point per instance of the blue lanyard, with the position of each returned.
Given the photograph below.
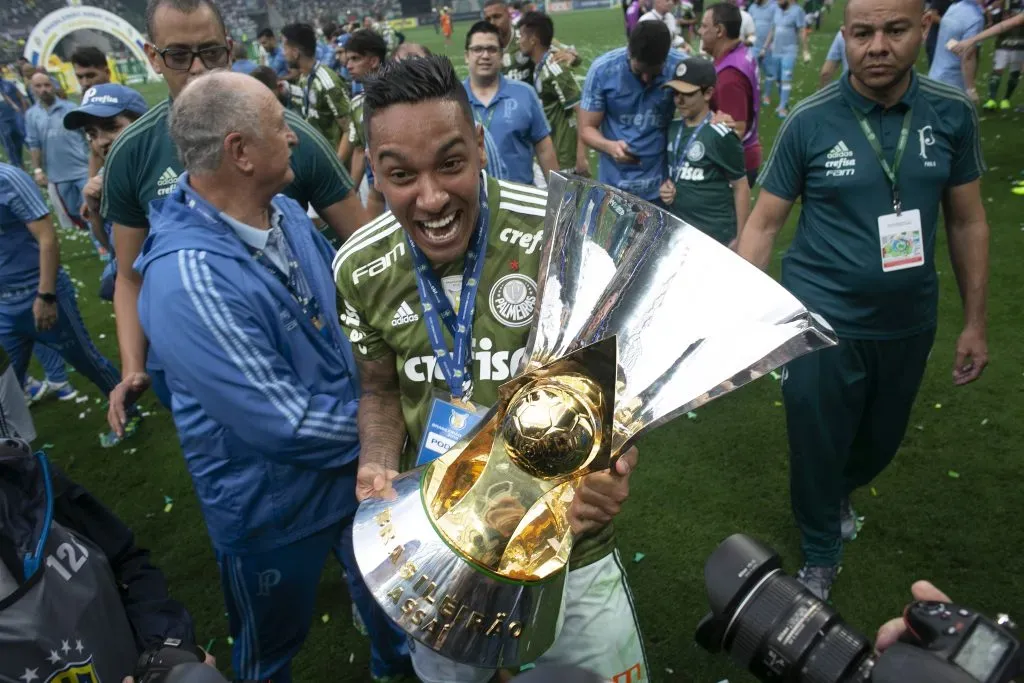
(305, 92)
(437, 308)
(537, 80)
(680, 157)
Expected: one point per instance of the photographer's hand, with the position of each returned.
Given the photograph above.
(892, 630)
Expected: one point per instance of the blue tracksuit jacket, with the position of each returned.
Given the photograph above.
(264, 403)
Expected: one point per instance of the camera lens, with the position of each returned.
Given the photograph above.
(773, 626)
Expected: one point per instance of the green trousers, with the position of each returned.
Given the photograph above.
(847, 409)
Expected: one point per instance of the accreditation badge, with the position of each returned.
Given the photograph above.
(902, 240)
(448, 421)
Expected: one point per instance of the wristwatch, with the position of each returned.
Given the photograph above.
(47, 298)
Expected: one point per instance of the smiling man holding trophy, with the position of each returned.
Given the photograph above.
(581, 306)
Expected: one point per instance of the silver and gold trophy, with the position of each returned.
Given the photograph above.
(640, 318)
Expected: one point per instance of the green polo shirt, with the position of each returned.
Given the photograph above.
(822, 157)
(143, 166)
(704, 196)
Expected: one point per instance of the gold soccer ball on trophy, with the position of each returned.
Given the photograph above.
(549, 430)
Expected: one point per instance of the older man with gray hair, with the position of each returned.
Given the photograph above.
(237, 301)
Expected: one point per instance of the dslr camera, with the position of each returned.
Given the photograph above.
(175, 661)
(779, 631)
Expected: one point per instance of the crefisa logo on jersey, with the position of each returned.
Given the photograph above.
(513, 299)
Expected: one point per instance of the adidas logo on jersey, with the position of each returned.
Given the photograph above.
(166, 182)
(840, 151)
(839, 161)
(404, 315)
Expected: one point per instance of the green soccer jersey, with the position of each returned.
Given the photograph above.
(559, 94)
(1013, 39)
(514, 64)
(381, 311)
(143, 166)
(325, 102)
(840, 261)
(704, 196)
(355, 123)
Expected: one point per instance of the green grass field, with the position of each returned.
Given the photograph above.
(949, 508)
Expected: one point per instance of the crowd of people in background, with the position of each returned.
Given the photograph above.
(267, 229)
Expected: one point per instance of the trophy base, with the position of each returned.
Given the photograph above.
(452, 606)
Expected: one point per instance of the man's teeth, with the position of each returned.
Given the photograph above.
(440, 222)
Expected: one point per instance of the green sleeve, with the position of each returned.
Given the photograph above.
(337, 102)
(120, 201)
(567, 88)
(783, 175)
(320, 179)
(729, 156)
(968, 164)
(367, 343)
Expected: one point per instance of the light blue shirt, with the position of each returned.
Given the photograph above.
(277, 62)
(65, 152)
(763, 16)
(244, 66)
(788, 24)
(516, 123)
(271, 242)
(837, 51)
(20, 204)
(961, 21)
(635, 113)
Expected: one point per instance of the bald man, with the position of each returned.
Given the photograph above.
(872, 158)
(237, 300)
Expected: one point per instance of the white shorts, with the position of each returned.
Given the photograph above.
(15, 419)
(1013, 59)
(599, 632)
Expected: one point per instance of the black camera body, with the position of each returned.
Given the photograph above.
(175, 662)
(770, 624)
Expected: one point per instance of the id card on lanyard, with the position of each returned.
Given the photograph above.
(449, 418)
(900, 236)
(680, 155)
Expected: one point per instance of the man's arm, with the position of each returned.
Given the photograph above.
(49, 253)
(758, 235)
(345, 148)
(358, 167)
(967, 228)
(1013, 22)
(828, 71)
(969, 69)
(346, 216)
(546, 157)
(768, 41)
(381, 427)
(741, 198)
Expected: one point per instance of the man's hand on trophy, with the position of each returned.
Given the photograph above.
(374, 481)
(600, 495)
(667, 192)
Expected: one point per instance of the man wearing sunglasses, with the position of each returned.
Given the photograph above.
(188, 38)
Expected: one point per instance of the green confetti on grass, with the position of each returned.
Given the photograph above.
(231, 641)
(776, 376)
(47, 445)
(692, 415)
(953, 474)
(874, 492)
(638, 556)
(325, 618)
(209, 645)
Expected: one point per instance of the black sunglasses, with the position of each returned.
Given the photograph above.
(180, 59)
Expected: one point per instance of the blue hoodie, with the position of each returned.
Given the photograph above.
(264, 403)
